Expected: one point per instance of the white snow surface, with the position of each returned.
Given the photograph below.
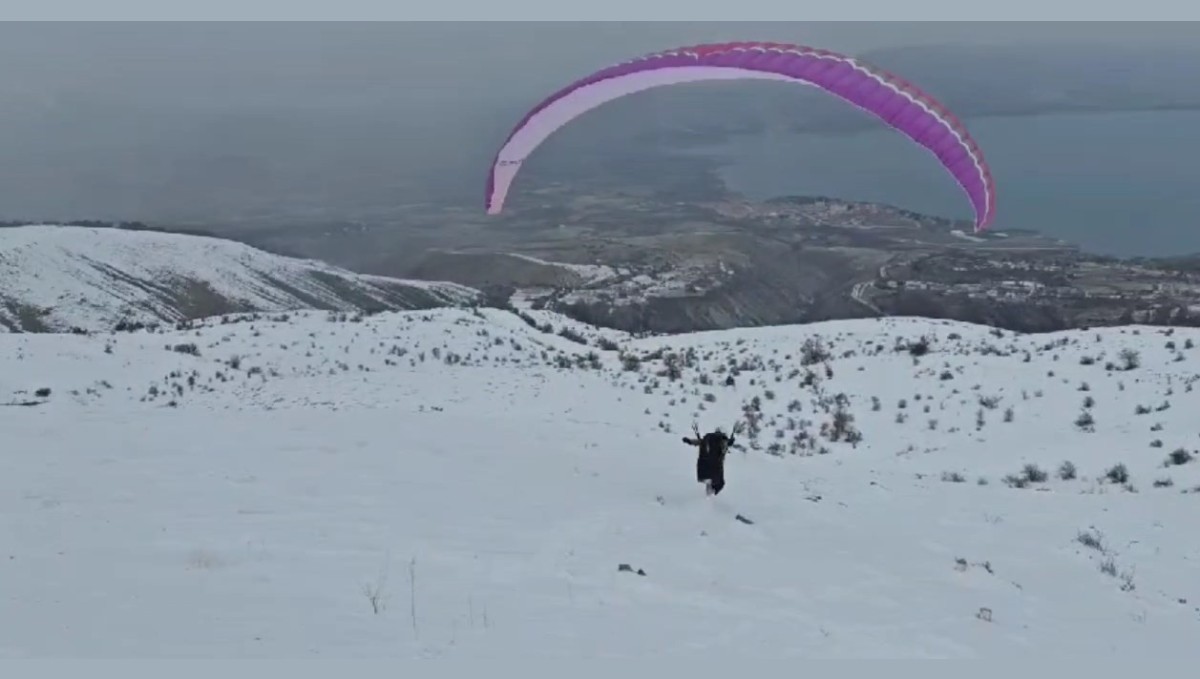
(93, 277)
(589, 273)
(462, 470)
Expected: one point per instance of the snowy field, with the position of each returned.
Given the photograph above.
(460, 484)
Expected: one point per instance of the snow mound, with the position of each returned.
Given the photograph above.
(60, 277)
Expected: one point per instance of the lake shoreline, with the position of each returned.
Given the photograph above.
(852, 128)
(1113, 183)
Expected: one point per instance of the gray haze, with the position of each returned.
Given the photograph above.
(257, 123)
(215, 65)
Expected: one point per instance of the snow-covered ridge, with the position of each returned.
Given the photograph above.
(55, 278)
(588, 273)
(465, 483)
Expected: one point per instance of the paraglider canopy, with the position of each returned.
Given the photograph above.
(896, 102)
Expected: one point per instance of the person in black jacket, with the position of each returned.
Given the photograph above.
(710, 463)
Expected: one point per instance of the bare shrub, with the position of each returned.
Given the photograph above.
(1179, 456)
(1118, 474)
(1092, 540)
(1130, 359)
(1085, 422)
(1066, 471)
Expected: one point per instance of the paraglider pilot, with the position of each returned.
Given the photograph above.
(710, 463)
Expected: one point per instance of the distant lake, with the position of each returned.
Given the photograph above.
(1124, 184)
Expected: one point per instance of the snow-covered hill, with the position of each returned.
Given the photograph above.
(55, 278)
(461, 483)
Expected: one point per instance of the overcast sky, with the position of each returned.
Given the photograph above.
(199, 120)
(208, 65)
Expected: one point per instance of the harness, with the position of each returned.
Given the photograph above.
(714, 445)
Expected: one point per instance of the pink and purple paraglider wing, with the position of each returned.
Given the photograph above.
(896, 102)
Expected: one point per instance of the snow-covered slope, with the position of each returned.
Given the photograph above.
(458, 483)
(54, 278)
